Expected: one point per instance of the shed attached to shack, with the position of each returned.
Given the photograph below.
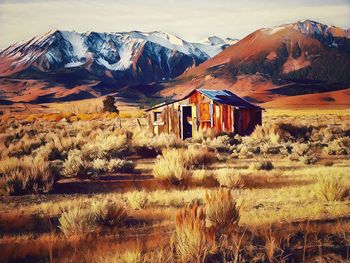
(202, 109)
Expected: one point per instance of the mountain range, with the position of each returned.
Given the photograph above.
(269, 64)
(290, 60)
(97, 63)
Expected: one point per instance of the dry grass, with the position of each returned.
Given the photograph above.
(272, 203)
(120, 165)
(137, 199)
(77, 221)
(261, 165)
(171, 166)
(196, 157)
(116, 257)
(74, 165)
(221, 210)
(329, 188)
(230, 178)
(191, 241)
(109, 213)
(25, 176)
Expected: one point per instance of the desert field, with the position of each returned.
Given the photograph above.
(97, 187)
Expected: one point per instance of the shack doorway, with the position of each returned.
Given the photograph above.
(186, 122)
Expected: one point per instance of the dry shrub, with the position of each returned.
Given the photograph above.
(272, 245)
(107, 144)
(163, 140)
(329, 188)
(201, 174)
(26, 176)
(262, 165)
(64, 143)
(109, 213)
(77, 220)
(301, 148)
(137, 199)
(229, 178)
(194, 157)
(25, 146)
(161, 254)
(245, 152)
(292, 132)
(191, 240)
(130, 257)
(304, 153)
(270, 149)
(221, 210)
(100, 165)
(48, 152)
(204, 134)
(114, 257)
(120, 165)
(267, 132)
(338, 146)
(74, 165)
(7, 165)
(220, 143)
(77, 165)
(171, 166)
(309, 159)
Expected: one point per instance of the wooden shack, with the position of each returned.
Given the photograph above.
(201, 109)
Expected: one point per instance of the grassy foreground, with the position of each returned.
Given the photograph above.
(101, 189)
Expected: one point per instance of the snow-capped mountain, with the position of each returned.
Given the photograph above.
(214, 45)
(331, 36)
(135, 55)
(97, 62)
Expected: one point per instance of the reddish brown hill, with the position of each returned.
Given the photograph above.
(269, 64)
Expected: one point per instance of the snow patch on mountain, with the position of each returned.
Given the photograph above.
(167, 40)
(274, 30)
(77, 43)
(73, 64)
(213, 45)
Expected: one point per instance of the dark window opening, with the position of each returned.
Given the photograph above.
(157, 117)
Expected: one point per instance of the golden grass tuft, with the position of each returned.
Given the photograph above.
(109, 213)
(77, 220)
(267, 132)
(74, 165)
(262, 165)
(191, 240)
(195, 157)
(329, 188)
(230, 178)
(221, 210)
(132, 256)
(137, 199)
(171, 166)
(120, 165)
(25, 176)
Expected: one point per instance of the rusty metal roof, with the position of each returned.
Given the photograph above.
(228, 98)
(220, 96)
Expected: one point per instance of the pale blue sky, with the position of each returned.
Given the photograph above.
(189, 19)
